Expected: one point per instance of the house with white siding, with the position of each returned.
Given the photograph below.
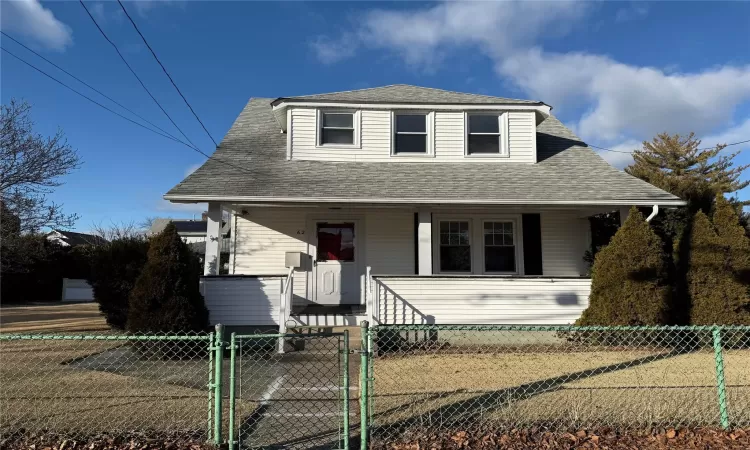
(403, 204)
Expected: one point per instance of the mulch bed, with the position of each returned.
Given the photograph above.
(602, 438)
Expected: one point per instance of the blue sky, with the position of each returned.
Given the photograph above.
(615, 72)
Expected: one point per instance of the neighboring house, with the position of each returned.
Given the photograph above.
(408, 205)
(191, 231)
(73, 239)
(75, 289)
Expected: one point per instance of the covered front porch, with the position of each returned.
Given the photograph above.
(335, 264)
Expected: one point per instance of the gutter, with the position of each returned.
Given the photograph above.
(424, 201)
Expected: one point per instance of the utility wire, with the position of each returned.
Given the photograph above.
(134, 74)
(704, 148)
(89, 98)
(210, 157)
(89, 86)
(165, 71)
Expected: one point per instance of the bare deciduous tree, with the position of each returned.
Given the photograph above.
(122, 230)
(30, 167)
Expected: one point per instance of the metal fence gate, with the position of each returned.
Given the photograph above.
(296, 399)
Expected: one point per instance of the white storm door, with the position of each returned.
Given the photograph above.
(336, 266)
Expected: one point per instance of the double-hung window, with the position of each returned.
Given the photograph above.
(337, 128)
(410, 134)
(455, 246)
(499, 246)
(485, 134)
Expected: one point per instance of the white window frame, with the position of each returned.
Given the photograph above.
(502, 117)
(436, 245)
(514, 224)
(429, 129)
(476, 237)
(356, 123)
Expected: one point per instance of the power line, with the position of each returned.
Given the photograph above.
(133, 72)
(89, 86)
(210, 157)
(704, 148)
(165, 71)
(89, 98)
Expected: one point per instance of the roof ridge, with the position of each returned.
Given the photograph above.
(414, 86)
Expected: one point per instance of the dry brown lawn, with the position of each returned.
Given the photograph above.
(41, 386)
(604, 387)
(57, 317)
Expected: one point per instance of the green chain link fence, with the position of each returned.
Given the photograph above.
(408, 380)
(425, 378)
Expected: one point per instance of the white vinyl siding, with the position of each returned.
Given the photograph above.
(564, 241)
(376, 138)
(264, 235)
(262, 238)
(480, 300)
(241, 300)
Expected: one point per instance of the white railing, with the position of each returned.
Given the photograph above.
(285, 306)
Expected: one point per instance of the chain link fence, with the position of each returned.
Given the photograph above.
(79, 386)
(426, 378)
(298, 399)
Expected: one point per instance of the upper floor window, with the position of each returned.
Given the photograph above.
(337, 128)
(485, 134)
(410, 134)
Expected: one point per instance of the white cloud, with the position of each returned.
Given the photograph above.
(422, 36)
(620, 156)
(143, 7)
(632, 12)
(625, 100)
(330, 51)
(31, 19)
(737, 133)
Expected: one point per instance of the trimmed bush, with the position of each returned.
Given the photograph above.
(628, 281)
(166, 295)
(717, 270)
(115, 267)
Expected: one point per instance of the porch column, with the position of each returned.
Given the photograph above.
(624, 213)
(213, 239)
(424, 241)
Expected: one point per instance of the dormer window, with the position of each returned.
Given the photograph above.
(485, 135)
(337, 128)
(410, 133)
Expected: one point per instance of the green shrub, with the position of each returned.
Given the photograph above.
(166, 296)
(628, 285)
(717, 270)
(114, 268)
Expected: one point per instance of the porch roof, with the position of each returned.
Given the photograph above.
(250, 165)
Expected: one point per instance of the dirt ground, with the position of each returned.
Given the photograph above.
(51, 317)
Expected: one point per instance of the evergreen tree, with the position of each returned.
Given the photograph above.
(628, 284)
(165, 297)
(679, 166)
(717, 292)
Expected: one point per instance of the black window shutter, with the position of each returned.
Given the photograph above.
(532, 244)
(416, 243)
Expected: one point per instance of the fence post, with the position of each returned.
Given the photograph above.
(363, 384)
(218, 365)
(345, 361)
(720, 384)
(232, 383)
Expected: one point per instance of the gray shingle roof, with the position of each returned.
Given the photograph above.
(566, 171)
(404, 93)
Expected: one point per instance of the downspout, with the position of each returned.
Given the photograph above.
(653, 214)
